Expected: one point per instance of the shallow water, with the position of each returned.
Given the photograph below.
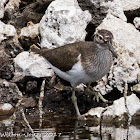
(66, 128)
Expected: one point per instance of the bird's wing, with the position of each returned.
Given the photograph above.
(63, 57)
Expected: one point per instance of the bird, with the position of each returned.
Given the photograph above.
(83, 61)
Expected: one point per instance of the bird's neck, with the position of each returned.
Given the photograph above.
(102, 47)
(103, 53)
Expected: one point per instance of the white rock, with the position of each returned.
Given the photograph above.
(130, 5)
(12, 5)
(7, 31)
(6, 106)
(2, 3)
(127, 45)
(7, 122)
(95, 112)
(29, 64)
(115, 8)
(31, 31)
(118, 107)
(64, 22)
(137, 22)
(6, 109)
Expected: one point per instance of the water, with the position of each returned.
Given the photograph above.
(66, 128)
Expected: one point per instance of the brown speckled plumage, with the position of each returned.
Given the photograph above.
(66, 56)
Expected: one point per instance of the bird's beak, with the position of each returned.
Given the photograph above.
(112, 50)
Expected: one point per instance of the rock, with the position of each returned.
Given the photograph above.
(2, 3)
(7, 31)
(8, 92)
(29, 35)
(64, 22)
(11, 7)
(5, 121)
(115, 8)
(11, 47)
(28, 102)
(97, 11)
(9, 43)
(137, 22)
(31, 31)
(129, 5)
(29, 64)
(6, 66)
(34, 11)
(31, 87)
(44, 1)
(127, 46)
(136, 88)
(117, 109)
(6, 109)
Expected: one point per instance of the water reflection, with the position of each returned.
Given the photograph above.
(66, 128)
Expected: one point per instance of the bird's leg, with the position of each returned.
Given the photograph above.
(89, 91)
(74, 100)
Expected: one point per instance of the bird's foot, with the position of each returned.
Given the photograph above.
(97, 95)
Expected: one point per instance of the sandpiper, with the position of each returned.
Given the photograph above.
(82, 62)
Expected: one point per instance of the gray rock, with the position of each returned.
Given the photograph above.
(9, 40)
(28, 102)
(115, 8)
(6, 66)
(97, 11)
(8, 92)
(31, 87)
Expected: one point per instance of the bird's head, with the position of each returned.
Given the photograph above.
(105, 37)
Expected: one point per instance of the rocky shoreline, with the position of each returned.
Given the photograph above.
(51, 24)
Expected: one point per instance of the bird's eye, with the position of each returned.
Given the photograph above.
(100, 37)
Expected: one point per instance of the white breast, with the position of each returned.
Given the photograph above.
(75, 76)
